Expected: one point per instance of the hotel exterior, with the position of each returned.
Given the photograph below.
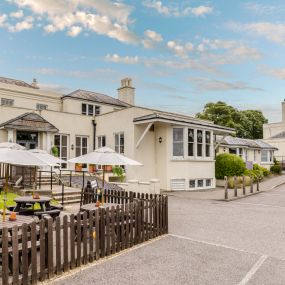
(176, 149)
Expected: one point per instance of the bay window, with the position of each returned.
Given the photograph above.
(191, 143)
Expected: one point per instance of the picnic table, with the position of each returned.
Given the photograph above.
(18, 222)
(26, 206)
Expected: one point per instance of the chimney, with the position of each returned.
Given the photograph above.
(35, 84)
(126, 93)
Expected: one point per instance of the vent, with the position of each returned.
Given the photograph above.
(177, 184)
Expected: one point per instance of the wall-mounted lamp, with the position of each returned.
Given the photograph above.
(72, 147)
(160, 140)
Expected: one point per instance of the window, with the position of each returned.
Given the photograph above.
(7, 102)
(177, 184)
(190, 142)
(254, 155)
(119, 143)
(61, 142)
(101, 141)
(90, 110)
(208, 144)
(97, 110)
(200, 143)
(41, 107)
(266, 155)
(200, 183)
(241, 152)
(233, 150)
(81, 147)
(191, 183)
(208, 182)
(178, 143)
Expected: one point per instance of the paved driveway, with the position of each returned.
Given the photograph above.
(210, 242)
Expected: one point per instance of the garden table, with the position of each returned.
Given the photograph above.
(23, 203)
(18, 222)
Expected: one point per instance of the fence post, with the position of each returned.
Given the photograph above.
(251, 185)
(40, 180)
(226, 187)
(257, 184)
(243, 185)
(83, 179)
(51, 178)
(235, 185)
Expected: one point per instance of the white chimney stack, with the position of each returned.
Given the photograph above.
(126, 93)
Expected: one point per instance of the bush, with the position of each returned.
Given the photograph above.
(255, 174)
(231, 182)
(229, 165)
(276, 169)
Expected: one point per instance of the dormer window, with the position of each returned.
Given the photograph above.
(90, 110)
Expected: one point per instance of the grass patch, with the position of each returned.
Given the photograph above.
(10, 199)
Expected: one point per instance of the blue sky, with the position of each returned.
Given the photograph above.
(180, 54)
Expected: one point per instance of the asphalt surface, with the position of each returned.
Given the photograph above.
(209, 242)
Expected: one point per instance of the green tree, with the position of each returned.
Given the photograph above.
(248, 123)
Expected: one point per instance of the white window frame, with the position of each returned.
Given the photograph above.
(61, 146)
(204, 183)
(95, 109)
(118, 146)
(269, 156)
(100, 140)
(81, 145)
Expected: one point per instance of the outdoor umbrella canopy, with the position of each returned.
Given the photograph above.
(104, 156)
(12, 153)
(47, 158)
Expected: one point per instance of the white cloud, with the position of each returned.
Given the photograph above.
(74, 31)
(27, 24)
(18, 14)
(278, 73)
(177, 10)
(3, 19)
(103, 17)
(263, 9)
(179, 49)
(122, 59)
(205, 84)
(274, 32)
(151, 39)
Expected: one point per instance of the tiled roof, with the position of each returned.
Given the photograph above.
(29, 121)
(96, 97)
(16, 82)
(234, 141)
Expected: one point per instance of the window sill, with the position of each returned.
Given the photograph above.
(210, 159)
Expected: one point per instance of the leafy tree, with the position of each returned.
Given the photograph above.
(248, 123)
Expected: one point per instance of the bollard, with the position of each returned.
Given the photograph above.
(257, 184)
(235, 185)
(243, 185)
(226, 187)
(251, 185)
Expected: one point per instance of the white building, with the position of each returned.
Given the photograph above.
(176, 149)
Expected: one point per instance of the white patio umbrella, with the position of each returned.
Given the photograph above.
(104, 156)
(15, 154)
(46, 157)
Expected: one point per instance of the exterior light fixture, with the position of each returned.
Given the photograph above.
(160, 140)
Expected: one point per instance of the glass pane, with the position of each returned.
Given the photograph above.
(199, 136)
(208, 137)
(97, 110)
(64, 152)
(84, 109)
(122, 140)
(90, 110)
(208, 182)
(57, 140)
(116, 139)
(207, 150)
(122, 149)
(84, 151)
(177, 135)
(233, 151)
(78, 142)
(192, 184)
(99, 142)
(64, 141)
(191, 149)
(178, 149)
(200, 183)
(116, 148)
(199, 150)
(77, 151)
(190, 135)
(103, 141)
(84, 142)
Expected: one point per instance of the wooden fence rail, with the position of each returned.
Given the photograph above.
(37, 252)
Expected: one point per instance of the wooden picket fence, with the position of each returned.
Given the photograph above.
(37, 252)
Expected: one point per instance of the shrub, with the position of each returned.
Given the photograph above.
(276, 169)
(231, 181)
(229, 165)
(255, 174)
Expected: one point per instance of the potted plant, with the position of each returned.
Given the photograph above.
(119, 172)
(54, 151)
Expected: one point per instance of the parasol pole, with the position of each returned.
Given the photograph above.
(103, 185)
(5, 192)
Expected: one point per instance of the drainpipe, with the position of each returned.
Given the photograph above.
(94, 134)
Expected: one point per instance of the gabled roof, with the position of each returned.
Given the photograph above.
(235, 142)
(172, 118)
(16, 82)
(96, 97)
(29, 122)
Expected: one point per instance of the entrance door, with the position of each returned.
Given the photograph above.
(61, 142)
(27, 139)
